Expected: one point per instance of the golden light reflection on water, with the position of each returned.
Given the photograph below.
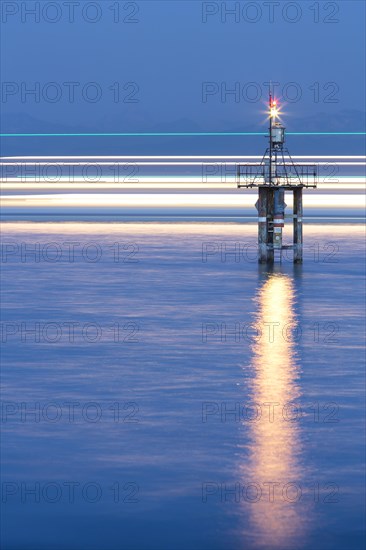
(275, 443)
(222, 230)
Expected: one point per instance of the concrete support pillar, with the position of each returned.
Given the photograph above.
(297, 225)
(270, 219)
(262, 225)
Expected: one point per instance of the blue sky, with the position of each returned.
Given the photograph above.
(162, 54)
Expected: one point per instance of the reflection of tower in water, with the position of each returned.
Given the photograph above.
(276, 517)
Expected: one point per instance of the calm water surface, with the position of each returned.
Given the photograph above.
(161, 391)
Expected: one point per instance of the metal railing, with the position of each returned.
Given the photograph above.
(285, 175)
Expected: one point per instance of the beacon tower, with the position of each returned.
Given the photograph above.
(273, 176)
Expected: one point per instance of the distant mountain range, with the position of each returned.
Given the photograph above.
(347, 120)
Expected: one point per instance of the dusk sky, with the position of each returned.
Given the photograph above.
(168, 51)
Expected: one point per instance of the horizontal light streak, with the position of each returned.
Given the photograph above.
(164, 163)
(177, 134)
(170, 200)
(167, 157)
(342, 183)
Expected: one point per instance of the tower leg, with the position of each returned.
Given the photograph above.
(270, 219)
(262, 225)
(297, 225)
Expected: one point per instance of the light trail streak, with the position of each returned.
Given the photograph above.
(178, 134)
(170, 200)
(169, 157)
(163, 163)
(184, 182)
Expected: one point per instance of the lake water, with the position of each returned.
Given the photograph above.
(161, 390)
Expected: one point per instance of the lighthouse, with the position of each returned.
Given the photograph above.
(275, 175)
